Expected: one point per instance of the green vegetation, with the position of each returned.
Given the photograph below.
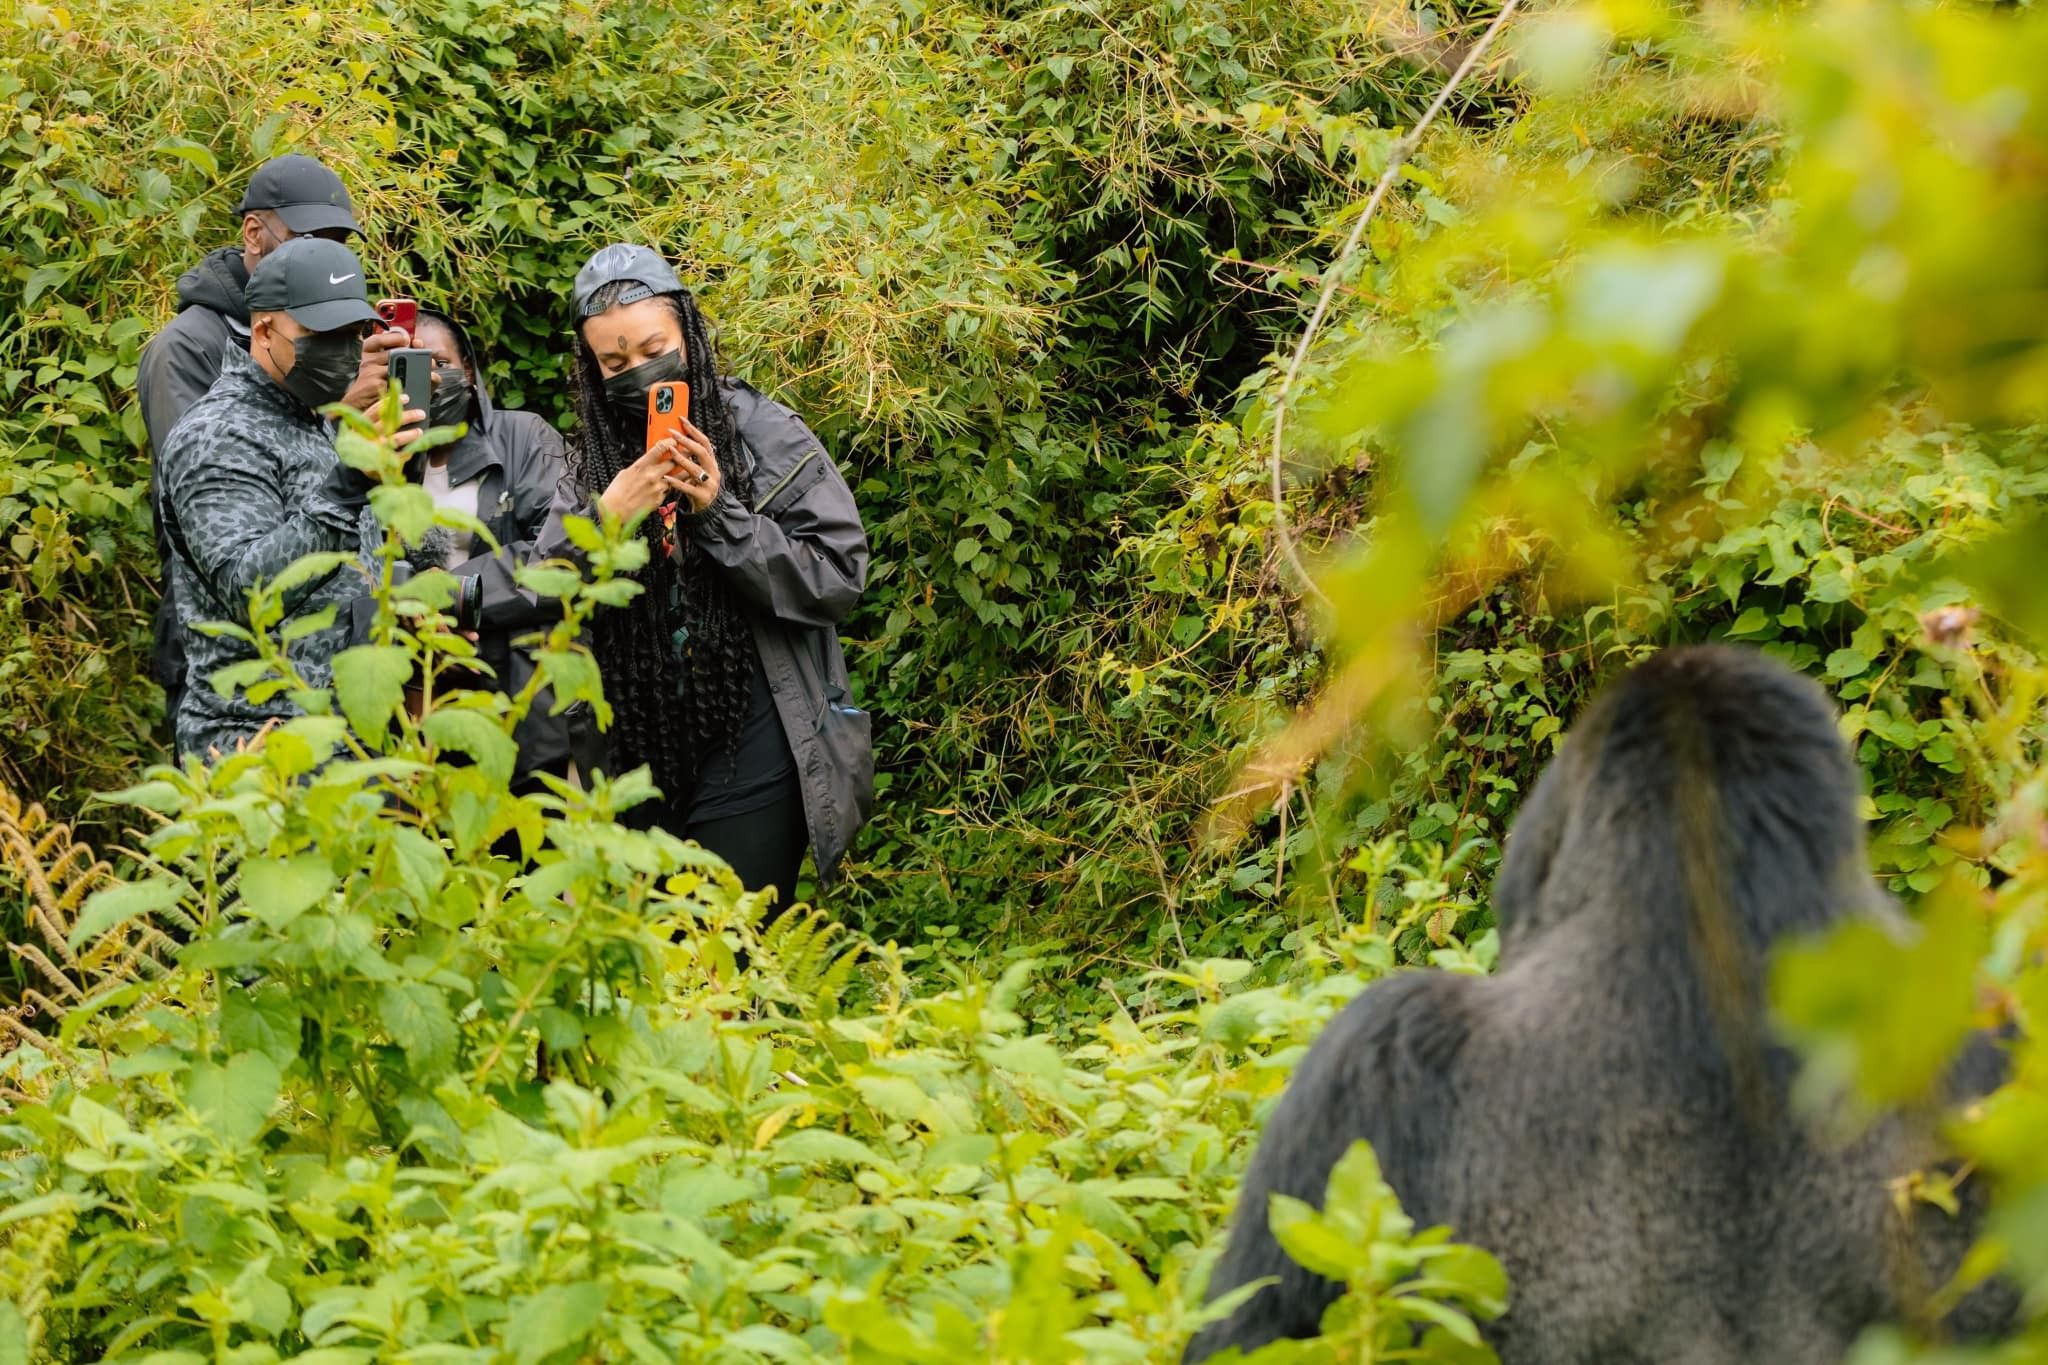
(1676, 326)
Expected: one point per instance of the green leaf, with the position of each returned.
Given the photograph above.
(265, 1019)
(198, 153)
(13, 1335)
(557, 1317)
(417, 1018)
(369, 682)
(279, 890)
(309, 569)
(549, 580)
(478, 735)
(819, 1146)
(42, 279)
(966, 550)
(573, 674)
(110, 907)
(1030, 1057)
(234, 1100)
(1881, 1011)
(312, 623)
(1848, 663)
(1309, 1242)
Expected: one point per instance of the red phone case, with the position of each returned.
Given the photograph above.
(667, 406)
(404, 314)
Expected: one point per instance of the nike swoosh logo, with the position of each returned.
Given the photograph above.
(341, 279)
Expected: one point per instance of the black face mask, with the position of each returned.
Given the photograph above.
(626, 391)
(451, 397)
(324, 365)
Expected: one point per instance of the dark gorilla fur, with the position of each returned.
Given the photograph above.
(1607, 1114)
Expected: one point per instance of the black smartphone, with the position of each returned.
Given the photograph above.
(413, 368)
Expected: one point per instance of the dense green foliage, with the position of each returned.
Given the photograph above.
(1680, 327)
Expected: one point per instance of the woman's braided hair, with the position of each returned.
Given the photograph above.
(671, 714)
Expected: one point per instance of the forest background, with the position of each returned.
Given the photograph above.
(1676, 326)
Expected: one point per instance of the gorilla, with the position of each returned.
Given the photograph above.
(1607, 1114)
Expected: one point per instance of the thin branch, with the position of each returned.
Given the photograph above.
(1403, 148)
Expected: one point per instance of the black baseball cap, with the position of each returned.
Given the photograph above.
(624, 261)
(317, 282)
(298, 189)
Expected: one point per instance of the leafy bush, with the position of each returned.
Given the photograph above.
(393, 1095)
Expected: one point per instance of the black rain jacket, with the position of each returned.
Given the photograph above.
(799, 557)
(519, 458)
(176, 369)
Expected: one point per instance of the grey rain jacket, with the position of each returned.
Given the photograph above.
(176, 369)
(799, 557)
(247, 482)
(520, 459)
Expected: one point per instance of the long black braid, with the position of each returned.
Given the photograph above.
(671, 714)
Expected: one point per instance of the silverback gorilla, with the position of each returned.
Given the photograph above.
(1607, 1114)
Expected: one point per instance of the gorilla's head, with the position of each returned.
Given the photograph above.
(1705, 773)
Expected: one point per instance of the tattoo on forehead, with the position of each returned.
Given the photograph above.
(621, 343)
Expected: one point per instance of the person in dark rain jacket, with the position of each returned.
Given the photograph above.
(288, 197)
(725, 675)
(251, 482)
(507, 471)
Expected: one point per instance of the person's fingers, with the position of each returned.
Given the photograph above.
(378, 342)
(689, 469)
(699, 447)
(413, 417)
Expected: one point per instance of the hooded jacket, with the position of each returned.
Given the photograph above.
(798, 556)
(247, 482)
(518, 458)
(175, 370)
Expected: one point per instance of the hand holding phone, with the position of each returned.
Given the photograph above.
(668, 406)
(404, 314)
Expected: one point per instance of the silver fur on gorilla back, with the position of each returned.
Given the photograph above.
(1608, 1114)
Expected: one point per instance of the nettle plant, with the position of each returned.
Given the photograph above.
(385, 1093)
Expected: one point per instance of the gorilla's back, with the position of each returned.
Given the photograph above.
(1642, 1211)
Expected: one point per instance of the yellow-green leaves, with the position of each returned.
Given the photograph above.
(369, 683)
(1398, 1282)
(278, 890)
(1879, 1012)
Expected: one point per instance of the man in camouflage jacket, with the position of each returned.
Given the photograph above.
(251, 483)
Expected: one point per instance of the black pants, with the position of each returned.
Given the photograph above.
(765, 846)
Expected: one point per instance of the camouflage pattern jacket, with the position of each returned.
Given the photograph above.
(248, 487)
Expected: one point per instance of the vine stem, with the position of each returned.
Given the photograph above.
(1404, 147)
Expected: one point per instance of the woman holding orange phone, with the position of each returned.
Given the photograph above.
(725, 676)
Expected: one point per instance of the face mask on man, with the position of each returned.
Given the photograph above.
(627, 390)
(451, 396)
(324, 365)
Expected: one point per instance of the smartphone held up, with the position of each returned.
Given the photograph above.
(668, 407)
(403, 314)
(412, 369)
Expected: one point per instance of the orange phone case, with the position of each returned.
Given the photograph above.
(667, 405)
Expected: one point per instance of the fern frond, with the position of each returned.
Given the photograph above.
(57, 874)
(811, 954)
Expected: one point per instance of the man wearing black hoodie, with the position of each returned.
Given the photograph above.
(289, 196)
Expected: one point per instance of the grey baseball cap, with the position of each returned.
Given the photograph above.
(624, 261)
(308, 196)
(317, 282)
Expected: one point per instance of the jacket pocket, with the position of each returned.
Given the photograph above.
(847, 735)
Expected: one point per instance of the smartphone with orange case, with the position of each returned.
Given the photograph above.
(667, 406)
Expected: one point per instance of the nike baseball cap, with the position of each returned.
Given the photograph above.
(317, 282)
(623, 261)
(301, 191)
